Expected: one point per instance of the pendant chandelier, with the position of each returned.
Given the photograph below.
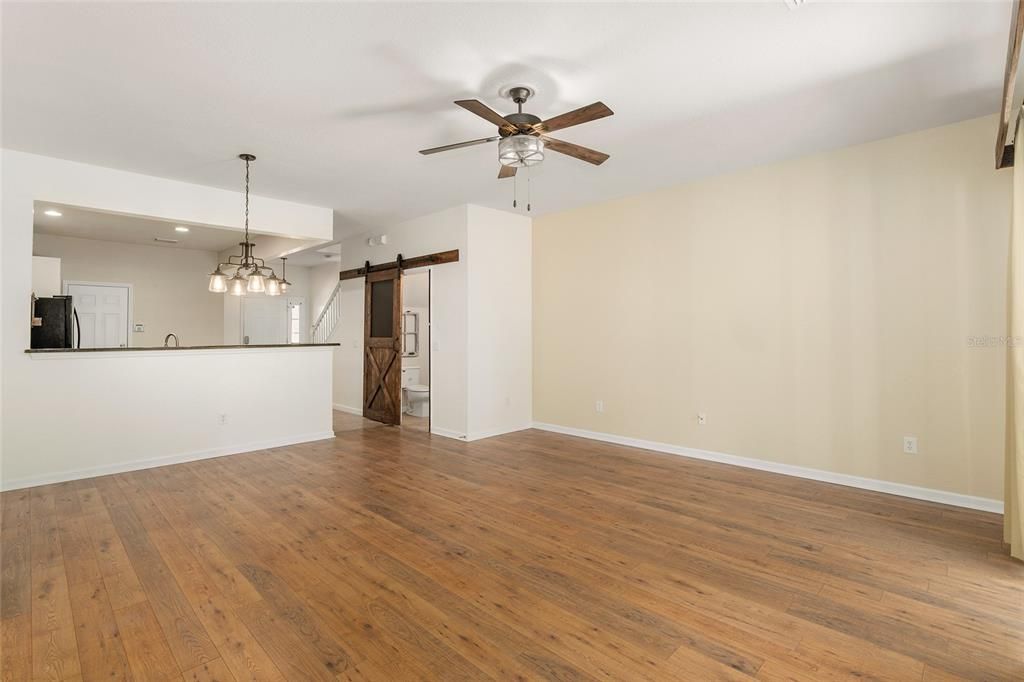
(250, 276)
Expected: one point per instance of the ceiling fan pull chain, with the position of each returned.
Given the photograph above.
(515, 191)
(528, 189)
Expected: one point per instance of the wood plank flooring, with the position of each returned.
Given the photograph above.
(343, 421)
(388, 554)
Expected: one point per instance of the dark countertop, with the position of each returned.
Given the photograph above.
(140, 348)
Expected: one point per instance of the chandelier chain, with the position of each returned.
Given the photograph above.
(247, 200)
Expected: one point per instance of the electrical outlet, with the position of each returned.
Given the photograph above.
(910, 445)
(702, 418)
(139, 327)
(599, 406)
(223, 419)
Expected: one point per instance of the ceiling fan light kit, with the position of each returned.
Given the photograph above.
(522, 137)
(520, 150)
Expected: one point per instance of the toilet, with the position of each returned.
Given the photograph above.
(415, 395)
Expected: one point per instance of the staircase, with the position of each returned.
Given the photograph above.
(328, 319)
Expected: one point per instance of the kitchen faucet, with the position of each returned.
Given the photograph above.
(168, 337)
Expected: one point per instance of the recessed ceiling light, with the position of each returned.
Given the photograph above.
(181, 228)
(52, 213)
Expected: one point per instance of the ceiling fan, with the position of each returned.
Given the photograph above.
(523, 138)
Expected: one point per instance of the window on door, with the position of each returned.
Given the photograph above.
(295, 322)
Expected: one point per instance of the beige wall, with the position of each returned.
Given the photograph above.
(169, 285)
(816, 310)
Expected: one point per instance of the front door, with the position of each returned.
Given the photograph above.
(264, 320)
(382, 361)
(102, 314)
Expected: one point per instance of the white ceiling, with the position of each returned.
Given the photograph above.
(316, 255)
(335, 99)
(85, 223)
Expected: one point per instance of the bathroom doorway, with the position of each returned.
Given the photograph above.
(385, 398)
(416, 347)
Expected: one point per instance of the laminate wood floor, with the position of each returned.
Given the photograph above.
(416, 423)
(343, 421)
(388, 554)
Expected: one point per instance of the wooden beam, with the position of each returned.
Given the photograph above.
(1004, 159)
(407, 264)
(1007, 156)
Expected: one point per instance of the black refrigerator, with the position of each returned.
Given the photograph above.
(58, 319)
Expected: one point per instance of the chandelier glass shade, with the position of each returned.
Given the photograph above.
(218, 281)
(273, 286)
(251, 274)
(257, 283)
(236, 285)
(520, 150)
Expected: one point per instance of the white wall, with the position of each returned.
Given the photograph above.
(322, 280)
(421, 360)
(416, 299)
(500, 322)
(429, 234)
(119, 410)
(232, 320)
(169, 286)
(46, 281)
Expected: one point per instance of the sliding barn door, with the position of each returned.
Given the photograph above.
(382, 362)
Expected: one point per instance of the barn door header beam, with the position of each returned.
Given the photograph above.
(1004, 137)
(402, 264)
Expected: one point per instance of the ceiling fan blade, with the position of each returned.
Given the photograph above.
(575, 150)
(485, 112)
(459, 145)
(506, 172)
(591, 112)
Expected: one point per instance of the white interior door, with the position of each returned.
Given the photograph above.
(103, 314)
(264, 320)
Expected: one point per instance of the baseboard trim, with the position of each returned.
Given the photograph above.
(879, 486)
(447, 433)
(479, 435)
(358, 411)
(153, 462)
